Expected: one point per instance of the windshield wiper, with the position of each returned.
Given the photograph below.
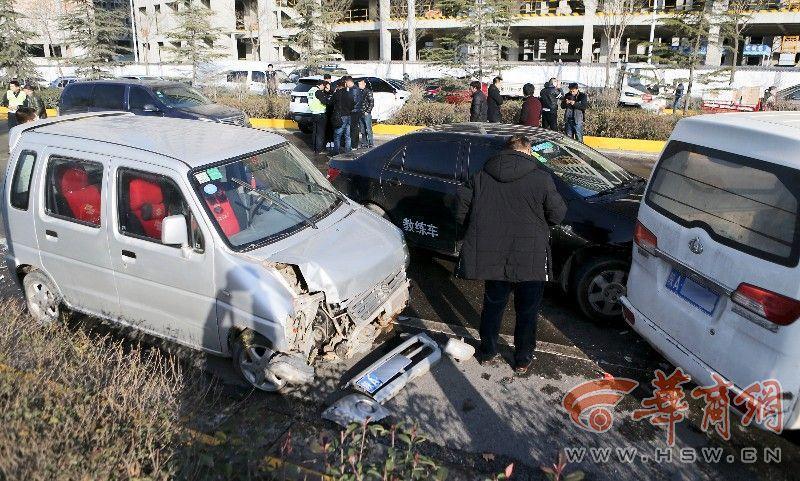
(631, 183)
(320, 188)
(266, 195)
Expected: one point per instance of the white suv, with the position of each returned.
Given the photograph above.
(715, 282)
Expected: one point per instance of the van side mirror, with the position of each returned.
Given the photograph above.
(150, 108)
(173, 231)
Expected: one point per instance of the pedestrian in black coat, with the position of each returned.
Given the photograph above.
(495, 100)
(549, 96)
(477, 110)
(509, 206)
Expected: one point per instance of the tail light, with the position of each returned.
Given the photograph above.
(647, 98)
(333, 173)
(644, 238)
(774, 307)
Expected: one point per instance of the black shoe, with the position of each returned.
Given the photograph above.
(489, 360)
(523, 368)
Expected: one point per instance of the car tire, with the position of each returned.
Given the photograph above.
(42, 298)
(305, 128)
(599, 283)
(249, 349)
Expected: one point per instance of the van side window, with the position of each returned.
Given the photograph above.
(21, 183)
(108, 96)
(74, 190)
(259, 77)
(139, 97)
(145, 199)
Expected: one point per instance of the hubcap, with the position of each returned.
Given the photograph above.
(253, 361)
(605, 290)
(41, 302)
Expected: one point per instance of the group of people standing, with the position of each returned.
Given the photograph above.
(23, 104)
(341, 114)
(539, 111)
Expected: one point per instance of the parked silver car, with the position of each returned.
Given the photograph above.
(223, 239)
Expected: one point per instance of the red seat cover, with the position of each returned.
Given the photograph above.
(221, 209)
(147, 204)
(83, 199)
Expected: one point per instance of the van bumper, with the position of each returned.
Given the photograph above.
(679, 356)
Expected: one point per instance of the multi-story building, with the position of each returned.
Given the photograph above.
(544, 30)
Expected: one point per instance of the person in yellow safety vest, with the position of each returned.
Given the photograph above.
(13, 99)
(318, 99)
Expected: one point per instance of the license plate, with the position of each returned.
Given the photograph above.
(690, 291)
(384, 373)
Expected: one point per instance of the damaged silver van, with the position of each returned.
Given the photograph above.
(223, 239)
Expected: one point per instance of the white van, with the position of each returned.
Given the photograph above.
(223, 239)
(715, 282)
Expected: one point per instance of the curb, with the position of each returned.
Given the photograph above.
(605, 143)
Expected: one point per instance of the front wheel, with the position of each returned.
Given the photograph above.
(599, 285)
(251, 354)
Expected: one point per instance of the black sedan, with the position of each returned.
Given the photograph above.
(413, 180)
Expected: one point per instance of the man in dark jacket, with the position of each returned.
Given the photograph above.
(549, 97)
(33, 101)
(531, 107)
(343, 105)
(510, 205)
(477, 111)
(355, 117)
(495, 100)
(574, 104)
(366, 117)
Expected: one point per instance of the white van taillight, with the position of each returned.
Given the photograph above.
(776, 308)
(333, 173)
(644, 238)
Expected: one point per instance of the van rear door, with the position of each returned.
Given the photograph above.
(723, 221)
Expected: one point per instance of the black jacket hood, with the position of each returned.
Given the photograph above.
(510, 165)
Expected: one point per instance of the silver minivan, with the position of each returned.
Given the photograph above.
(223, 239)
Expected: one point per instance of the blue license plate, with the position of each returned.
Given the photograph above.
(690, 291)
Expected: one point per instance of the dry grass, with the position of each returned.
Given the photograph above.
(76, 404)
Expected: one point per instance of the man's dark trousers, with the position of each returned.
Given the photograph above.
(318, 125)
(527, 297)
(550, 119)
(355, 128)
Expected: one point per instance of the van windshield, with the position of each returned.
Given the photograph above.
(263, 196)
(746, 204)
(180, 96)
(587, 172)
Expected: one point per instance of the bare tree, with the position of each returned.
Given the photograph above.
(399, 23)
(617, 15)
(145, 27)
(45, 14)
(734, 22)
(247, 20)
(315, 35)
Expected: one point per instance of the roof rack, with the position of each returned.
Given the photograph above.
(17, 132)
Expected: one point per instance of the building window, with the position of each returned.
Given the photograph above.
(35, 50)
(56, 51)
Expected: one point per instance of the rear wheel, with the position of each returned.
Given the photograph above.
(598, 286)
(251, 353)
(42, 298)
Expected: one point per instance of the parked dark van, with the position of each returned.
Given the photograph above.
(413, 181)
(146, 97)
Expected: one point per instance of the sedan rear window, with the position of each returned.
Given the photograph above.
(746, 204)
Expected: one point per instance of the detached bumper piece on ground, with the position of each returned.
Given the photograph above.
(383, 379)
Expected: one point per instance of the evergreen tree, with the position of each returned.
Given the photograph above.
(96, 31)
(478, 44)
(14, 59)
(315, 38)
(690, 26)
(194, 37)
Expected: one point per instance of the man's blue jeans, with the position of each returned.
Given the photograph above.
(527, 297)
(574, 129)
(342, 130)
(366, 128)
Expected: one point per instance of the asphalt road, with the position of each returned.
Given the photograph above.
(469, 410)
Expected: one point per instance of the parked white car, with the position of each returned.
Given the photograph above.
(254, 80)
(224, 239)
(715, 283)
(389, 95)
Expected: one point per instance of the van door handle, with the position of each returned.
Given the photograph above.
(51, 233)
(129, 254)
